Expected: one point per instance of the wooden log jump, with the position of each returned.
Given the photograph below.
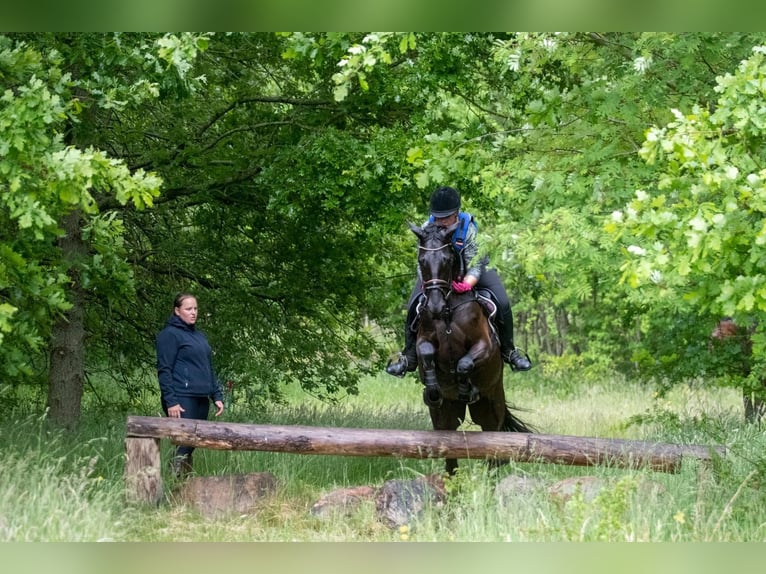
(143, 434)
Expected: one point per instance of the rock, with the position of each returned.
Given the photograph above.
(343, 501)
(564, 490)
(517, 486)
(592, 486)
(216, 496)
(399, 502)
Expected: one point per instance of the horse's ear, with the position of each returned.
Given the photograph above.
(416, 230)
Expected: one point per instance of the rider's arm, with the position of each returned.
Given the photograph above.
(473, 263)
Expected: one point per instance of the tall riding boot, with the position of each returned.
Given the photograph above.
(408, 358)
(508, 350)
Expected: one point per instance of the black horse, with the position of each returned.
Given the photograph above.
(458, 354)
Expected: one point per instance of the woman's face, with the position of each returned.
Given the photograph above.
(446, 221)
(187, 311)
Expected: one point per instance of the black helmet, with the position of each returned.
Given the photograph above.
(444, 202)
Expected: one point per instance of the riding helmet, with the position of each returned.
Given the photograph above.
(444, 202)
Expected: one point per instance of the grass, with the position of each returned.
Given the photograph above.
(56, 487)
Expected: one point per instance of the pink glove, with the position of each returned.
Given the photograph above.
(461, 286)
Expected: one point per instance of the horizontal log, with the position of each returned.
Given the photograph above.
(524, 447)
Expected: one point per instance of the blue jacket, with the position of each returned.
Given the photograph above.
(185, 363)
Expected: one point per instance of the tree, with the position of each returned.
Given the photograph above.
(290, 164)
(696, 235)
(57, 243)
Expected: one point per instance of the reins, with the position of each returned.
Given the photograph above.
(434, 248)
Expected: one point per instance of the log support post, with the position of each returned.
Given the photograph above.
(143, 476)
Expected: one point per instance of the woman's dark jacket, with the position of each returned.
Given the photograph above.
(185, 363)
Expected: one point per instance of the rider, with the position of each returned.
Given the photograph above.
(445, 211)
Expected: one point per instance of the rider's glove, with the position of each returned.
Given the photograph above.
(461, 286)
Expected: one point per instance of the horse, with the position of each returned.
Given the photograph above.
(458, 352)
(725, 331)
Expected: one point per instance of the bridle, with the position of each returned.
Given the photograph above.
(441, 284)
(444, 286)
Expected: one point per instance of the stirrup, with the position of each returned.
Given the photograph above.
(402, 366)
(517, 361)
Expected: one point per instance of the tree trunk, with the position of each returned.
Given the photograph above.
(66, 373)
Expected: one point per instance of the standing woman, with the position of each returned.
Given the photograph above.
(185, 372)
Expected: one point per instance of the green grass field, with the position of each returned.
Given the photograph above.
(55, 487)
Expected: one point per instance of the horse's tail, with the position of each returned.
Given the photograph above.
(512, 423)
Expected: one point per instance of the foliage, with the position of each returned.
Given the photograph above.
(291, 162)
(289, 219)
(43, 179)
(696, 235)
(541, 133)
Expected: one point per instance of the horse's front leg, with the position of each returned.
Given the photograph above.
(432, 394)
(476, 356)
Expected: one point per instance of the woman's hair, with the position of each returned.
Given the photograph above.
(180, 298)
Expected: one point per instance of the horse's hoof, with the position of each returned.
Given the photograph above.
(432, 396)
(470, 397)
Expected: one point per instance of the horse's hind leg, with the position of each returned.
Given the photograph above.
(448, 416)
(490, 416)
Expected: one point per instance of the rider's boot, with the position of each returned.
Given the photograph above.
(508, 350)
(406, 363)
(408, 358)
(516, 360)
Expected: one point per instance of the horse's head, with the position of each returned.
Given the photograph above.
(438, 262)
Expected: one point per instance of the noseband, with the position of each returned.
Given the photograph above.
(442, 285)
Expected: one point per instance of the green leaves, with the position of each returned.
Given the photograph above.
(181, 50)
(362, 57)
(711, 216)
(42, 180)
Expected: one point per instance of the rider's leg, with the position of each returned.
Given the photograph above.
(408, 358)
(511, 355)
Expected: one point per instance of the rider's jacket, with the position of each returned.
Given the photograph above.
(467, 234)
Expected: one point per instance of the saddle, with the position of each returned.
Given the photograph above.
(486, 300)
(489, 306)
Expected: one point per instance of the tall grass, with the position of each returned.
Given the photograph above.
(69, 487)
(56, 489)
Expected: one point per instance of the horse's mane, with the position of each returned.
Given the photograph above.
(433, 232)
